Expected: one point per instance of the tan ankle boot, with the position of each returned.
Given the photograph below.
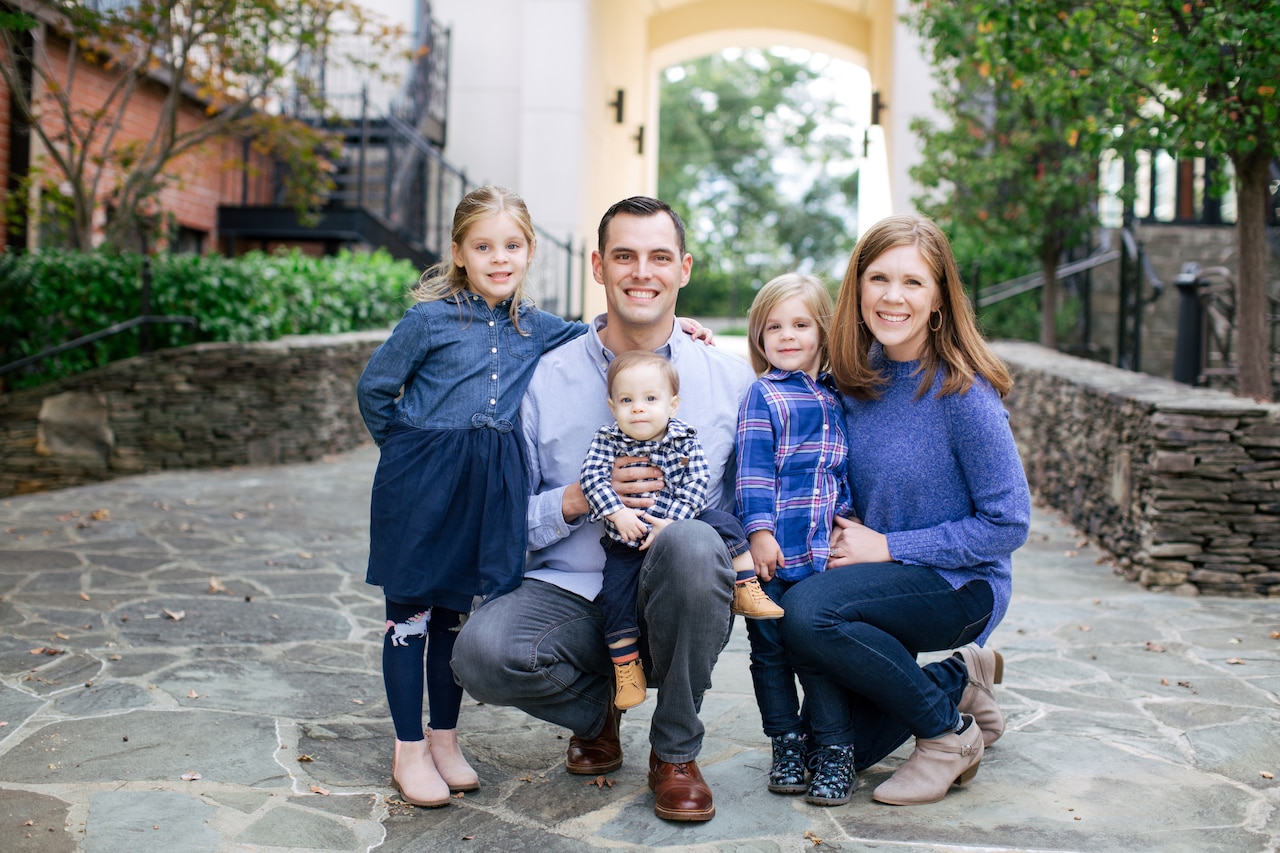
(415, 775)
(751, 601)
(986, 669)
(629, 684)
(933, 768)
(447, 755)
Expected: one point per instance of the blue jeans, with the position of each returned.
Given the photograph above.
(853, 634)
(772, 676)
(542, 649)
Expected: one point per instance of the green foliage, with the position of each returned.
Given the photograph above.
(726, 122)
(1013, 167)
(55, 296)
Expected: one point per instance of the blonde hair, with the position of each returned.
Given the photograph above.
(956, 343)
(816, 298)
(445, 278)
(640, 358)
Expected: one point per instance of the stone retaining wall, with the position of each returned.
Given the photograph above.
(208, 405)
(1181, 484)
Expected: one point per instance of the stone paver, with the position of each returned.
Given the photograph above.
(189, 661)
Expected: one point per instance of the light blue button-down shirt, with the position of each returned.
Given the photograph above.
(567, 402)
(462, 365)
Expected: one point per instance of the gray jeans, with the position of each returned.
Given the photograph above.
(542, 649)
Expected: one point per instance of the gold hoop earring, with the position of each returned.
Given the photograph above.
(937, 328)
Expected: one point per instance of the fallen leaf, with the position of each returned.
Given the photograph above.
(216, 585)
(1265, 775)
(526, 779)
(468, 838)
(1275, 635)
(191, 776)
(175, 615)
(358, 701)
(1071, 553)
(809, 836)
(60, 635)
(306, 555)
(1234, 641)
(239, 515)
(115, 657)
(316, 789)
(1186, 684)
(305, 757)
(103, 514)
(47, 650)
(1154, 647)
(3, 723)
(459, 795)
(1085, 628)
(1235, 661)
(30, 823)
(191, 694)
(84, 596)
(601, 782)
(1165, 682)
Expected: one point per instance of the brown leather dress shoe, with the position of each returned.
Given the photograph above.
(680, 791)
(600, 754)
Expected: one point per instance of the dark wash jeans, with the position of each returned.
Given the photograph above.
(772, 676)
(541, 648)
(853, 634)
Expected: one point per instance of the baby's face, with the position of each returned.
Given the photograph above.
(642, 402)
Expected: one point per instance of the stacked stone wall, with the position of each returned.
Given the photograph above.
(1181, 484)
(208, 405)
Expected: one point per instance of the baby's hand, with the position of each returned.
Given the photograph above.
(656, 526)
(629, 525)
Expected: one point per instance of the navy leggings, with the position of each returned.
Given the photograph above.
(414, 633)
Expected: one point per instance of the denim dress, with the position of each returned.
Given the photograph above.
(447, 516)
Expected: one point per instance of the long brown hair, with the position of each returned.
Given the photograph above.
(446, 278)
(956, 344)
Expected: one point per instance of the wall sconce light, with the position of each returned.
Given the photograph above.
(616, 103)
(639, 138)
(877, 106)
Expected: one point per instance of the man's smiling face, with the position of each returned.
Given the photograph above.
(642, 270)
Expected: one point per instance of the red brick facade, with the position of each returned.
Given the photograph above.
(200, 180)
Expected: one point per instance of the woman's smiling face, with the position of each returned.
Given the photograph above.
(899, 293)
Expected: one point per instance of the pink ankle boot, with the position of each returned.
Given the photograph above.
(447, 755)
(415, 775)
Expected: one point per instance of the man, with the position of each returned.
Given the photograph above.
(541, 648)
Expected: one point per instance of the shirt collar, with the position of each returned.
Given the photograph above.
(603, 355)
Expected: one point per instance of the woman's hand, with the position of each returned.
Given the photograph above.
(853, 542)
(631, 478)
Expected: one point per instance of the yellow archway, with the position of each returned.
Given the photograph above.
(633, 42)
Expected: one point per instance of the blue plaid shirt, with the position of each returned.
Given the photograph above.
(791, 467)
(684, 469)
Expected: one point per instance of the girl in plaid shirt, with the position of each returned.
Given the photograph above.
(791, 484)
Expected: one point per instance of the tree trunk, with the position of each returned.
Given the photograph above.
(1253, 341)
(1049, 302)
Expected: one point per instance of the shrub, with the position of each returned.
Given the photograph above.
(51, 297)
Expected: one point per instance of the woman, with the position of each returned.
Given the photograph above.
(943, 503)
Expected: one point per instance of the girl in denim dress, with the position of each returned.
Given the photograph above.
(447, 520)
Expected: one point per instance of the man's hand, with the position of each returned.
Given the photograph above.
(853, 542)
(629, 525)
(766, 554)
(631, 479)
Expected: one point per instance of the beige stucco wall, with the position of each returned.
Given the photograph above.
(532, 80)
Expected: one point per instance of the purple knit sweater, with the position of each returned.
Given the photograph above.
(941, 477)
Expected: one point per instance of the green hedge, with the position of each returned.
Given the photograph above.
(51, 297)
